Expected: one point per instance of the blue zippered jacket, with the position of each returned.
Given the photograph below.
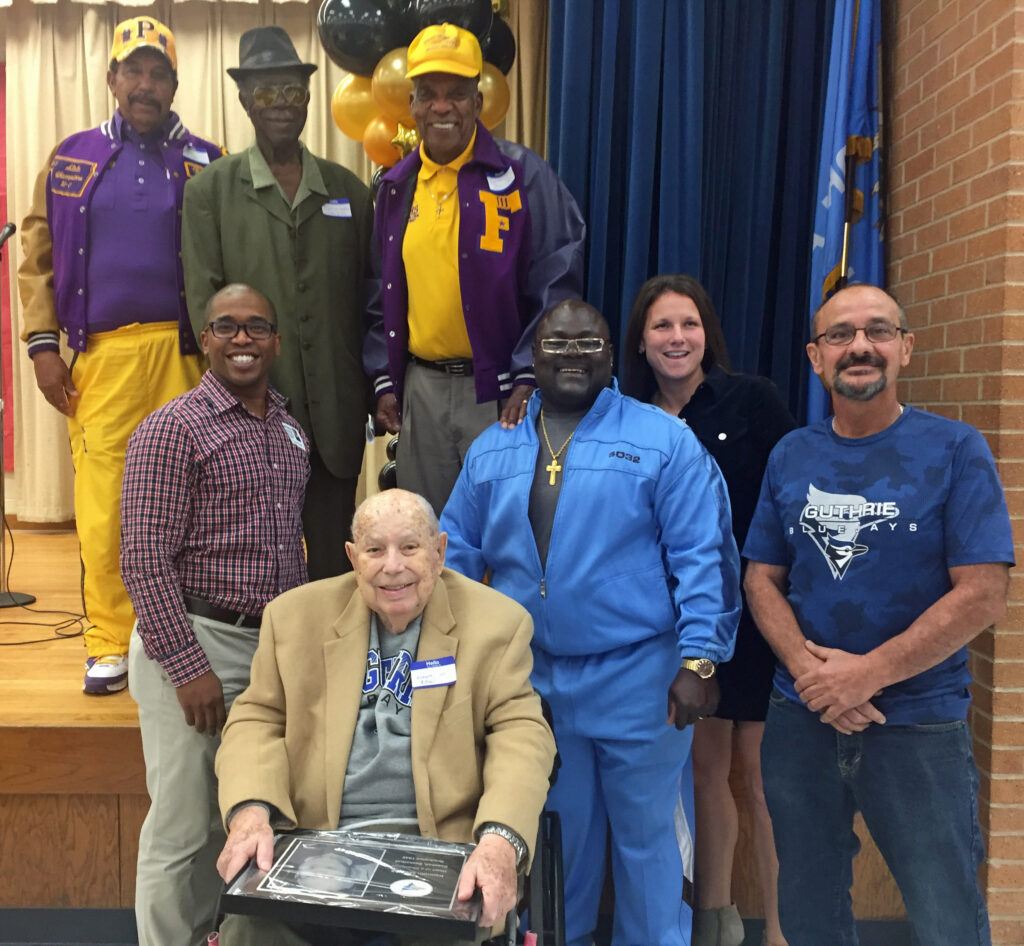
(641, 542)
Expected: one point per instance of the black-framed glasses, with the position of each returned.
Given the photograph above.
(258, 329)
(878, 332)
(294, 93)
(563, 346)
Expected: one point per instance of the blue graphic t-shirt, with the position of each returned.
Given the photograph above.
(869, 528)
(378, 777)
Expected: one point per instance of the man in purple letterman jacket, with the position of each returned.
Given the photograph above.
(477, 239)
(101, 264)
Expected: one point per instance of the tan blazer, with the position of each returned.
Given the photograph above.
(481, 750)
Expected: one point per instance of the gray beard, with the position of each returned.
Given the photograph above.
(860, 392)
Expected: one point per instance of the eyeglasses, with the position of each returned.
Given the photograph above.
(259, 330)
(840, 335)
(563, 346)
(293, 94)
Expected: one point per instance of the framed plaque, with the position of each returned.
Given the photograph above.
(394, 883)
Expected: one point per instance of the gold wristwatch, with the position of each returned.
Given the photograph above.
(704, 668)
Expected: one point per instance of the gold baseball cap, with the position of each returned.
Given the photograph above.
(142, 32)
(444, 48)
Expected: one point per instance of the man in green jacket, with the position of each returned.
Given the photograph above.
(297, 228)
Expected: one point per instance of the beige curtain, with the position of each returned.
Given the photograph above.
(527, 118)
(57, 54)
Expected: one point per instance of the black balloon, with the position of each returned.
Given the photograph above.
(499, 48)
(472, 15)
(406, 20)
(355, 34)
(392, 448)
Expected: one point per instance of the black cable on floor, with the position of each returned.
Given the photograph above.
(59, 628)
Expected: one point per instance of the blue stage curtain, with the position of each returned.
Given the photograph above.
(688, 132)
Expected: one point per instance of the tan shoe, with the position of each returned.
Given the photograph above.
(721, 927)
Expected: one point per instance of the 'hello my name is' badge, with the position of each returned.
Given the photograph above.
(197, 155)
(433, 673)
(503, 181)
(293, 435)
(337, 207)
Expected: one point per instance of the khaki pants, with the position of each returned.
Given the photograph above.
(123, 377)
(440, 419)
(177, 884)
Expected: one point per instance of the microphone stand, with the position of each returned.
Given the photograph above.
(8, 599)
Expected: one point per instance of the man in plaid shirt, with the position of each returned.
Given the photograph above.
(211, 531)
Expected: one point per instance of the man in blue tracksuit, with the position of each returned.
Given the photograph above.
(634, 598)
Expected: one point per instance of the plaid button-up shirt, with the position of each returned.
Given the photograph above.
(211, 507)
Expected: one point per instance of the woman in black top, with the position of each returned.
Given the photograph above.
(675, 358)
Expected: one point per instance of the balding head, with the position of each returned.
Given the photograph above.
(397, 554)
(859, 344)
(411, 506)
(859, 291)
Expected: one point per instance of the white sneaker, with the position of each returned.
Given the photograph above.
(105, 675)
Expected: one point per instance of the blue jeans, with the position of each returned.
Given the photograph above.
(916, 787)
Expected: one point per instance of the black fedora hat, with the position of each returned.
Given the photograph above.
(265, 48)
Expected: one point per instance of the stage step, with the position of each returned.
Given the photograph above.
(72, 778)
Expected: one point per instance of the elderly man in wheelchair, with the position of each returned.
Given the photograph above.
(394, 698)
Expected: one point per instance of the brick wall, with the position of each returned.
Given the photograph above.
(957, 263)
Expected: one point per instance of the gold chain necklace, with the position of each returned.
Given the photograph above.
(554, 467)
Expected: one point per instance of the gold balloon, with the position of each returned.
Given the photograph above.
(407, 139)
(353, 106)
(377, 141)
(391, 89)
(496, 96)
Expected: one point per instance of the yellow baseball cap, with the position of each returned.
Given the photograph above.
(444, 48)
(141, 32)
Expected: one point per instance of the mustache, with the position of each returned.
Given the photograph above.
(860, 358)
(142, 99)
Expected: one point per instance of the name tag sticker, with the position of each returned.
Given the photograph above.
(500, 182)
(338, 207)
(294, 435)
(433, 673)
(195, 154)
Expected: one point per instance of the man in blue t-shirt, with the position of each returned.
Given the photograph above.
(880, 547)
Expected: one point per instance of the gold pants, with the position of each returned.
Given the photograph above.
(124, 376)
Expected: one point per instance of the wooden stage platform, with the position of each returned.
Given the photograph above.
(72, 779)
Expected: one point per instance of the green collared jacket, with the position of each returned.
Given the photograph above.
(310, 260)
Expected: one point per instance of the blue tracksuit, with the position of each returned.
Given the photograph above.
(641, 570)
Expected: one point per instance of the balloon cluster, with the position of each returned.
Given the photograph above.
(370, 39)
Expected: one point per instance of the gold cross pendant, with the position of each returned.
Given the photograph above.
(554, 468)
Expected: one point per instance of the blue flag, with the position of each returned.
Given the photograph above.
(848, 167)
